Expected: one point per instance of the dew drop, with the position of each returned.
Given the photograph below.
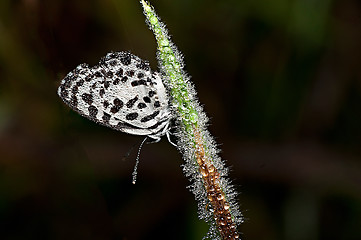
(153, 20)
(222, 221)
(164, 42)
(193, 117)
(203, 170)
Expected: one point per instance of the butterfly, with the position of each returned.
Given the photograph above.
(120, 92)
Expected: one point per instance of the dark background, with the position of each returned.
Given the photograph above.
(280, 79)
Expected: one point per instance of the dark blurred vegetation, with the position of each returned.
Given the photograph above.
(280, 79)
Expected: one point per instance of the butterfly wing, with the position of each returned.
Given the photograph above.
(120, 92)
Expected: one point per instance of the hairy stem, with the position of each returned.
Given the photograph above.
(207, 172)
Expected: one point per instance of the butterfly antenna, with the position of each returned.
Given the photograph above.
(134, 174)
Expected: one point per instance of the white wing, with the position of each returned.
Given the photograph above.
(120, 92)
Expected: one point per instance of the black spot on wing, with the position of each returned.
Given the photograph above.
(88, 98)
(156, 125)
(88, 78)
(146, 99)
(93, 111)
(106, 117)
(113, 62)
(152, 93)
(109, 74)
(63, 92)
(116, 81)
(126, 59)
(67, 82)
(140, 75)
(101, 92)
(106, 84)
(75, 89)
(130, 73)
(103, 62)
(80, 83)
(131, 116)
(131, 102)
(74, 102)
(149, 117)
(114, 109)
(119, 73)
(156, 104)
(124, 79)
(98, 74)
(106, 104)
(80, 69)
(143, 65)
(118, 104)
(142, 105)
(138, 82)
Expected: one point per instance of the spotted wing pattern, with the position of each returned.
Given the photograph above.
(120, 92)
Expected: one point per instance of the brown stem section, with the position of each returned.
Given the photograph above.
(215, 194)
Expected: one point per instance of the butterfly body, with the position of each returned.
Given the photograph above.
(122, 93)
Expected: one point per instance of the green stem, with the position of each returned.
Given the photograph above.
(207, 172)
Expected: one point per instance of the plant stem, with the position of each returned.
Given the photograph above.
(207, 172)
